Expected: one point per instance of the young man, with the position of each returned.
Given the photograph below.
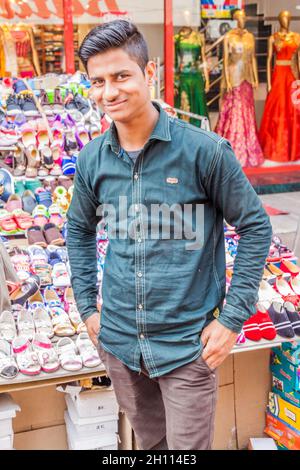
(164, 329)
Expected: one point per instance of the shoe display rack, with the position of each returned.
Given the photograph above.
(49, 39)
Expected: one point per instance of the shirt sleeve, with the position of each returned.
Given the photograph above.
(81, 241)
(233, 195)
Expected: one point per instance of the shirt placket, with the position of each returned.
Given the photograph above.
(139, 240)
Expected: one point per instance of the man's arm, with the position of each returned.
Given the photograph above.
(232, 194)
(81, 244)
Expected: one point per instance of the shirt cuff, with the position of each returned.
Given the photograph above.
(233, 318)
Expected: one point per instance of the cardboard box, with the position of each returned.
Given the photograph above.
(51, 438)
(92, 402)
(252, 382)
(35, 414)
(262, 443)
(225, 430)
(105, 426)
(282, 433)
(282, 387)
(284, 410)
(281, 367)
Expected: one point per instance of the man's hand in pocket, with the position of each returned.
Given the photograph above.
(93, 327)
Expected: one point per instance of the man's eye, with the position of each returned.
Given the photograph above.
(122, 76)
(97, 83)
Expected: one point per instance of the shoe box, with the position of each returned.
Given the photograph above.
(283, 387)
(281, 367)
(95, 438)
(91, 426)
(283, 434)
(91, 403)
(91, 418)
(8, 409)
(284, 410)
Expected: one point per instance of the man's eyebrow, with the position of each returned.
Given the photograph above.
(115, 74)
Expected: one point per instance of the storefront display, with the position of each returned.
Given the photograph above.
(189, 53)
(237, 121)
(280, 127)
(19, 55)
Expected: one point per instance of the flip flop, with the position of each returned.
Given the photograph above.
(35, 236)
(53, 235)
(7, 223)
(23, 220)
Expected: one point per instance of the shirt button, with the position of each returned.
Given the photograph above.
(140, 274)
(136, 207)
(139, 240)
(136, 176)
(142, 336)
(140, 306)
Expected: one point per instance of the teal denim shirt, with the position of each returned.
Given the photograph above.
(158, 293)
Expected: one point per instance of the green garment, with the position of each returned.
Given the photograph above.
(189, 79)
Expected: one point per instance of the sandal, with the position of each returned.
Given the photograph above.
(60, 275)
(27, 359)
(7, 223)
(53, 235)
(61, 322)
(40, 215)
(46, 353)
(87, 350)
(43, 197)
(25, 324)
(35, 236)
(71, 308)
(8, 365)
(23, 220)
(42, 322)
(28, 201)
(8, 330)
(43, 271)
(66, 351)
(55, 216)
(14, 202)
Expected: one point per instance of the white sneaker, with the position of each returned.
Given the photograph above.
(88, 351)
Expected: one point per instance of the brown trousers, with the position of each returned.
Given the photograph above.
(175, 411)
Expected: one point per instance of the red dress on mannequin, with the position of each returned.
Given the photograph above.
(280, 127)
(23, 50)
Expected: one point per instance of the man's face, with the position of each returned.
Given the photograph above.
(119, 87)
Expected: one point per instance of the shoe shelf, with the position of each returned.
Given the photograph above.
(44, 379)
(49, 40)
(261, 344)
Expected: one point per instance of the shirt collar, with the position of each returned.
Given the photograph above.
(161, 130)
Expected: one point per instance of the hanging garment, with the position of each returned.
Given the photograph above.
(191, 85)
(21, 37)
(10, 54)
(237, 120)
(7, 273)
(280, 127)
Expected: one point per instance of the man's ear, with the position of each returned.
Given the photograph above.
(150, 72)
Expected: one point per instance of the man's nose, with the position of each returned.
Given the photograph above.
(110, 92)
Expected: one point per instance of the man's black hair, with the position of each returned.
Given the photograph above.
(117, 33)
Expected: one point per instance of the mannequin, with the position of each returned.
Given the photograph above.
(237, 121)
(191, 87)
(20, 40)
(280, 127)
